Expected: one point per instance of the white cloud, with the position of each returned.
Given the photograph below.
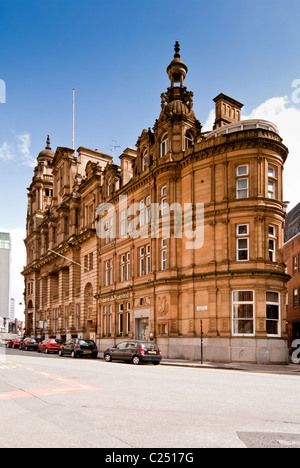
(286, 117)
(18, 150)
(6, 152)
(24, 148)
(18, 261)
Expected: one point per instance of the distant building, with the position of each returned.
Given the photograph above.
(5, 250)
(144, 276)
(292, 258)
(12, 309)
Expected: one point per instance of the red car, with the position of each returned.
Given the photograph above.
(17, 342)
(52, 345)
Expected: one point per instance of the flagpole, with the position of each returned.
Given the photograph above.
(73, 121)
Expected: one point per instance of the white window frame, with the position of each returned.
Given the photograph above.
(145, 160)
(144, 260)
(128, 309)
(163, 254)
(164, 145)
(104, 320)
(237, 319)
(148, 260)
(123, 232)
(243, 236)
(272, 238)
(272, 182)
(241, 177)
(108, 272)
(142, 211)
(189, 140)
(120, 319)
(278, 304)
(148, 209)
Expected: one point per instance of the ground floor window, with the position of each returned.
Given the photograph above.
(273, 313)
(243, 313)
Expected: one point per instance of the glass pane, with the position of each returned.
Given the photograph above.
(243, 296)
(243, 244)
(272, 327)
(243, 327)
(243, 255)
(243, 229)
(242, 170)
(242, 194)
(272, 312)
(272, 297)
(242, 184)
(243, 311)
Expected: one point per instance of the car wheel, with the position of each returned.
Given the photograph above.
(73, 355)
(60, 352)
(136, 360)
(47, 351)
(107, 357)
(155, 363)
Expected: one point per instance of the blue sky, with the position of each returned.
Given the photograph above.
(115, 54)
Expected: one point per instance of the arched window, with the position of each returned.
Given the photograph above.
(164, 145)
(145, 160)
(189, 140)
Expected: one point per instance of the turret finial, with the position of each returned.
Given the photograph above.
(177, 50)
(48, 147)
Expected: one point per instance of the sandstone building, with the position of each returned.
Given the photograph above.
(129, 269)
(292, 259)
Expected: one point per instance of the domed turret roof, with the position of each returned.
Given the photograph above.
(47, 153)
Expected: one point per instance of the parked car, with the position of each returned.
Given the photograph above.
(134, 351)
(29, 344)
(51, 345)
(3, 343)
(77, 347)
(17, 342)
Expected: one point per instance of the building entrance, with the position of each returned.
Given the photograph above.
(143, 329)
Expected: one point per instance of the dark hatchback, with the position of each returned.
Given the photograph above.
(134, 351)
(29, 344)
(77, 347)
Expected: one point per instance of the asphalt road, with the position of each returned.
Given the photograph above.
(49, 401)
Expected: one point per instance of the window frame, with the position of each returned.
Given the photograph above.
(240, 177)
(278, 321)
(164, 145)
(239, 237)
(236, 320)
(145, 160)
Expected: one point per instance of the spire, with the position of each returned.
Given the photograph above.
(48, 147)
(177, 50)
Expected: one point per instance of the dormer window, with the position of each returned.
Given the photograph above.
(189, 140)
(145, 160)
(164, 145)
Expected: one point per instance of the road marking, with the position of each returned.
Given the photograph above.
(72, 386)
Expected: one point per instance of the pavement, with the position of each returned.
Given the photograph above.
(290, 368)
